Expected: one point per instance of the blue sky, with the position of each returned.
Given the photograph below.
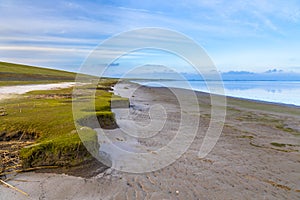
(254, 35)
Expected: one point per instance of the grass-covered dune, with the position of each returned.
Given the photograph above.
(16, 74)
(44, 119)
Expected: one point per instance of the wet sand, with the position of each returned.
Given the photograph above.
(256, 157)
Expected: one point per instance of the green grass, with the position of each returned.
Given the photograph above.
(283, 128)
(17, 74)
(6, 67)
(48, 114)
(246, 136)
(278, 144)
(10, 83)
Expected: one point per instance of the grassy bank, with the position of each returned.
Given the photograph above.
(16, 74)
(44, 119)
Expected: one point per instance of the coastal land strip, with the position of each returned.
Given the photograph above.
(256, 156)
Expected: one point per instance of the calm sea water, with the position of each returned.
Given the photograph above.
(287, 92)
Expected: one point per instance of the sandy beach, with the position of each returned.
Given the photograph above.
(256, 157)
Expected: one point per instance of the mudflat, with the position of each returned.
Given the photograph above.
(256, 157)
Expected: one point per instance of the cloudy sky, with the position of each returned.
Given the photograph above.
(254, 35)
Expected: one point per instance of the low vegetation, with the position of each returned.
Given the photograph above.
(278, 144)
(49, 122)
(43, 120)
(16, 74)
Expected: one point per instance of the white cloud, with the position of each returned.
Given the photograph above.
(70, 29)
(44, 49)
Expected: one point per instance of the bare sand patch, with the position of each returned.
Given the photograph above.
(7, 92)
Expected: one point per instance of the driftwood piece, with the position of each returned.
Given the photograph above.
(28, 170)
(13, 187)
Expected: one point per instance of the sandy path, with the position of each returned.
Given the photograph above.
(10, 91)
(243, 164)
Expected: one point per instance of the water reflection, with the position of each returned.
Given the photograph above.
(287, 92)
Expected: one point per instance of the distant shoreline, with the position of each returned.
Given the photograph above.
(229, 89)
(229, 80)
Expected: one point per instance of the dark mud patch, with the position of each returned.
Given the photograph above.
(106, 120)
(86, 169)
